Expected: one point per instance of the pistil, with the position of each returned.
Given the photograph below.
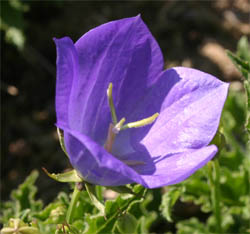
(110, 138)
(117, 128)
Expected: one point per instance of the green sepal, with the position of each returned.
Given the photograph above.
(219, 140)
(92, 195)
(61, 140)
(69, 176)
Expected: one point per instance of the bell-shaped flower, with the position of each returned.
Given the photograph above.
(125, 119)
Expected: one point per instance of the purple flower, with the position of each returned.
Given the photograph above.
(168, 150)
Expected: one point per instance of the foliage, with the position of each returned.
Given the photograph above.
(242, 61)
(86, 218)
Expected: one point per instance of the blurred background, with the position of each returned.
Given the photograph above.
(190, 33)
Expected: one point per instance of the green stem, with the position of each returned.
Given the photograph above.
(214, 178)
(98, 190)
(72, 205)
(217, 195)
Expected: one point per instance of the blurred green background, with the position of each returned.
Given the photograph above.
(190, 33)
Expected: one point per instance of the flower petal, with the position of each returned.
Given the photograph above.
(189, 114)
(95, 164)
(173, 169)
(67, 67)
(122, 52)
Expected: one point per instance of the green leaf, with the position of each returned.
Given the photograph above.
(79, 225)
(168, 201)
(113, 209)
(192, 225)
(45, 213)
(94, 222)
(120, 189)
(69, 176)
(23, 204)
(243, 66)
(24, 196)
(84, 206)
(142, 213)
(46, 228)
(242, 62)
(235, 184)
(233, 125)
(127, 223)
(145, 222)
(197, 190)
(92, 194)
(243, 49)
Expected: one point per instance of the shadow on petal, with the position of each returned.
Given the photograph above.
(152, 103)
(141, 161)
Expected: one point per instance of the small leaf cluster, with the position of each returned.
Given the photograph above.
(123, 214)
(242, 61)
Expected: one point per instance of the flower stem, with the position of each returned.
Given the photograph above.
(72, 205)
(214, 178)
(217, 195)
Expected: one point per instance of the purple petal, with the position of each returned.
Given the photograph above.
(173, 169)
(67, 67)
(95, 164)
(122, 52)
(189, 112)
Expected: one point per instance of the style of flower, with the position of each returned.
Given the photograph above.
(125, 119)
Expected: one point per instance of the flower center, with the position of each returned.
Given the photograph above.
(116, 127)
